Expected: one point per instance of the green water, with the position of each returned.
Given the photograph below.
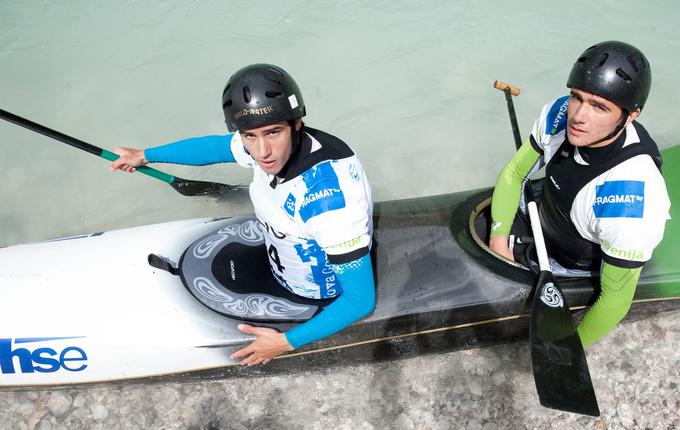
(407, 84)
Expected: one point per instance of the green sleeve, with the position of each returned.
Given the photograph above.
(617, 290)
(506, 195)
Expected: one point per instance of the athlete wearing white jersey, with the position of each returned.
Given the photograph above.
(604, 203)
(310, 194)
(319, 212)
(617, 195)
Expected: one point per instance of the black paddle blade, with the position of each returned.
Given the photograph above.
(188, 187)
(558, 359)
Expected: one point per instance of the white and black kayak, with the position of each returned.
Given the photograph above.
(162, 302)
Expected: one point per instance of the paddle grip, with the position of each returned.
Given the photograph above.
(506, 87)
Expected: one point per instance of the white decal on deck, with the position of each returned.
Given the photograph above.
(254, 305)
(249, 231)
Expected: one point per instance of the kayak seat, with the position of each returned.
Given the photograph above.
(228, 271)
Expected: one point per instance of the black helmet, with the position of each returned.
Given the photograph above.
(614, 70)
(261, 94)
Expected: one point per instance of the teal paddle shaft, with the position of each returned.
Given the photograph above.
(141, 169)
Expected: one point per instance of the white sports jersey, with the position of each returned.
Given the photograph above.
(323, 213)
(624, 209)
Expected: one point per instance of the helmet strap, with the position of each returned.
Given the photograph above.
(296, 135)
(296, 138)
(617, 129)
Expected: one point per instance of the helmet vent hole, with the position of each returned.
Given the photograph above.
(228, 103)
(633, 64)
(582, 59)
(623, 75)
(246, 94)
(274, 76)
(274, 94)
(273, 79)
(603, 60)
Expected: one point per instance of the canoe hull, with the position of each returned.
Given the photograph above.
(90, 309)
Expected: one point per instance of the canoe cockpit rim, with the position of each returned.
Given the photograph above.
(472, 222)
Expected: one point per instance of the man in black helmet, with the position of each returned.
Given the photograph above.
(604, 203)
(310, 194)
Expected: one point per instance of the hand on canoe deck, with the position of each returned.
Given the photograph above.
(268, 344)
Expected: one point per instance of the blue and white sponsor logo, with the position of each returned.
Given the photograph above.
(323, 274)
(323, 191)
(619, 199)
(557, 116)
(44, 359)
(289, 205)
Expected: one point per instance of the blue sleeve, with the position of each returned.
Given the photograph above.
(196, 151)
(356, 301)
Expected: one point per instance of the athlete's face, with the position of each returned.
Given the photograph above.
(270, 145)
(591, 118)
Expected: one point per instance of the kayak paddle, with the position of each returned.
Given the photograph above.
(558, 360)
(183, 186)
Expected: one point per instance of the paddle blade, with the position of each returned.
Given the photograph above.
(188, 187)
(558, 359)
